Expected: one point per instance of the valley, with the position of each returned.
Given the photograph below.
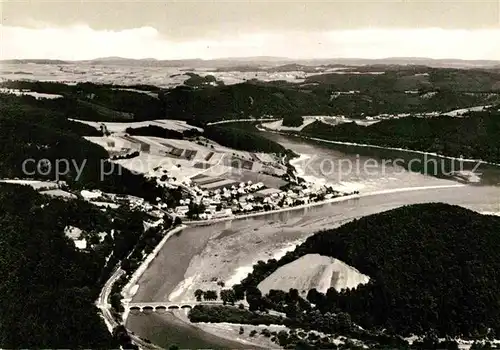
(209, 168)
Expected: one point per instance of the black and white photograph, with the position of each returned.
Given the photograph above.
(250, 174)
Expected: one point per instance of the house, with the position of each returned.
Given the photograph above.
(257, 206)
(211, 208)
(181, 210)
(305, 191)
(303, 200)
(205, 216)
(246, 207)
(223, 213)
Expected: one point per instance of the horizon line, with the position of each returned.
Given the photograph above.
(284, 58)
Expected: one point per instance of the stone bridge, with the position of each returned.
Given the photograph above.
(167, 305)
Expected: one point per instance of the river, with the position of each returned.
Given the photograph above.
(224, 252)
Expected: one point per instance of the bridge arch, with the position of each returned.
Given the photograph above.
(147, 309)
(135, 309)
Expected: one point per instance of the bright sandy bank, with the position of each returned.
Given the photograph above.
(313, 271)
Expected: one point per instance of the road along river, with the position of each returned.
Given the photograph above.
(202, 257)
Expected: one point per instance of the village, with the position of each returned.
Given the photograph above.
(248, 198)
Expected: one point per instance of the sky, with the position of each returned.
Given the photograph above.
(74, 29)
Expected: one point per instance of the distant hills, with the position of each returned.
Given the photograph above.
(267, 61)
(35, 61)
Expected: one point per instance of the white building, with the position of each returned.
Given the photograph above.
(223, 213)
(181, 210)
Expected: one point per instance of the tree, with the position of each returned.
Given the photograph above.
(293, 120)
(344, 321)
(283, 338)
(314, 297)
(198, 294)
(210, 295)
(254, 298)
(291, 310)
(293, 294)
(332, 296)
(239, 291)
(120, 333)
(195, 210)
(115, 301)
(228, 296)
(177, 221)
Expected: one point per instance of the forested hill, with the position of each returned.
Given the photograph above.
(433, 267)
(365, 96)
(241, 139)
(202, 100)
(48, 286)
(475, 136)
(243, 101)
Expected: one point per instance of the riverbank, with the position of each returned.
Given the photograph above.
(102, 302)
(210, 266)
(275, 211)
(231, 331)
(131, 287)
(433, 154)
(315, 204)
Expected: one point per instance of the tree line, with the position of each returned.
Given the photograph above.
(204, 99)
(474, 136)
